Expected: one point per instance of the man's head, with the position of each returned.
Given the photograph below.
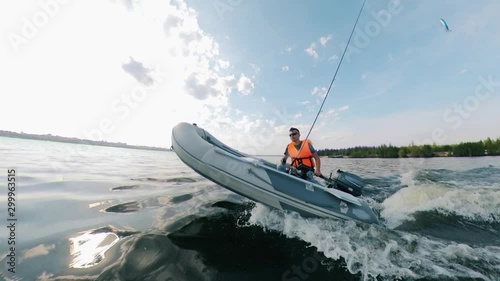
(294, 133)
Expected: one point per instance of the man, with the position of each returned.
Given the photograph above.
(302, 154)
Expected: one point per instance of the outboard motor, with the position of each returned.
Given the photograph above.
(349, 182)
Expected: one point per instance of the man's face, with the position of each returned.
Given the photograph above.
(294, 135)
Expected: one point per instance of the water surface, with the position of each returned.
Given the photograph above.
(104, 213)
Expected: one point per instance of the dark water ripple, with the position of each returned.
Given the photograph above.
(125, 187)
(223, 247)
(382, 187)
(483, 176)
(454, 228)
(124, 208)
(175, 180)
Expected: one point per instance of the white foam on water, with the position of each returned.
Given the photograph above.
(475, 203)
(479, 204)
(378, 252)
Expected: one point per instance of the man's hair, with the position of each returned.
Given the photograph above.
(294, 129)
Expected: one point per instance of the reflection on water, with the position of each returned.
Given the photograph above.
(88, 249)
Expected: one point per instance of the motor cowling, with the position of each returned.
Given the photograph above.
(349, 182)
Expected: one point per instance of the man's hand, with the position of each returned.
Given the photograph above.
(283, 160)
(317, 173)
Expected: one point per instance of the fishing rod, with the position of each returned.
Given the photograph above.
(338, 67)
(335, 75)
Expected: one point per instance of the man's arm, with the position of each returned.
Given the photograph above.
(283, 160)
(317, 170)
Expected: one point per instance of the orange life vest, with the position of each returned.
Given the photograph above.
(305, 156)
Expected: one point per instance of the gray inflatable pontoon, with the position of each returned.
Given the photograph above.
(261, 181)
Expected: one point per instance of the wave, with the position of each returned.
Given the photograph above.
(148, 203)
(453, 228)
(380, 188)
(474, 203)
(484, 177)
(378, 253)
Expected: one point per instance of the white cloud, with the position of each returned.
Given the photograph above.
(319, 92)
(245, 85)
(332, 58)
(129, 4)
(203, 86)
(334, 114)
(255, 68)
(421, 127)
(285, 68)
(141, 73)
(324, 39)
(310, 51)
(288, 50)
(75, 74)
(68, 78)
(222, 64)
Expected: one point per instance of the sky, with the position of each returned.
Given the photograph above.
(248, 70)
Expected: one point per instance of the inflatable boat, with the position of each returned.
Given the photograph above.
(262, 181)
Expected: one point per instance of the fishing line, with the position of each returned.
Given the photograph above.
(336, 71)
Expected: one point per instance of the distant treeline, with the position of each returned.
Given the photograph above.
(463, 149)
(50, 137)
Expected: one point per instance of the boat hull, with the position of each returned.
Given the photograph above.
(261, 181)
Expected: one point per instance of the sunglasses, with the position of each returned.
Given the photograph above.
(293, 134)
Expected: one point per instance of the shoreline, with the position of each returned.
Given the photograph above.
(52, 138)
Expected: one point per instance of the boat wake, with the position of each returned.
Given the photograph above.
(467, 201)
(377, 253)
